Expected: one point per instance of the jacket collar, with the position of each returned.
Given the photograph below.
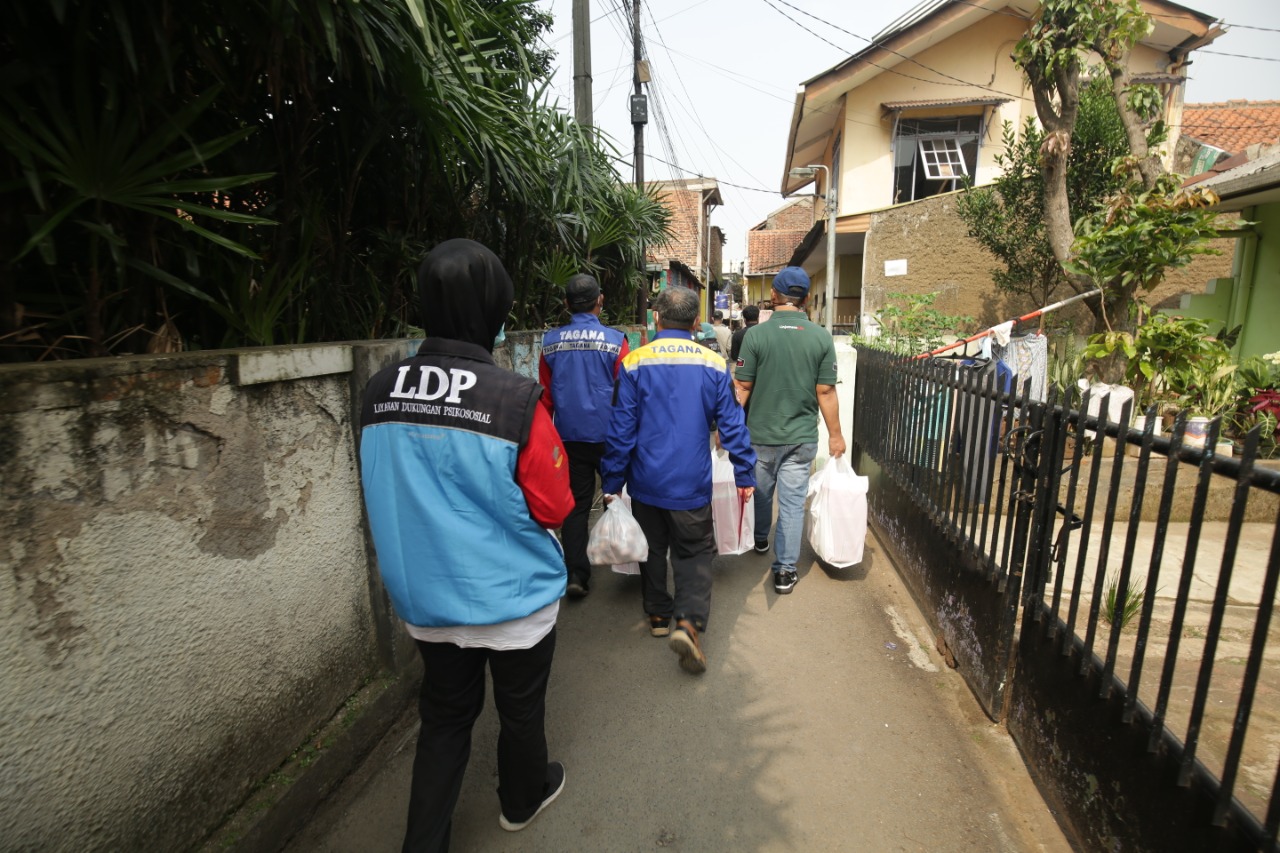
(461, 349)
(674, 333)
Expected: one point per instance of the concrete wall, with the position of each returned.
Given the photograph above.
(187, 584)
(941, 256)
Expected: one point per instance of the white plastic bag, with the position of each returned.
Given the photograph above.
(617, 538)
(632, 568)
(837, 523)
(734, 519)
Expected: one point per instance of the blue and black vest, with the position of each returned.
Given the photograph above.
(440, 437)
(582, 355)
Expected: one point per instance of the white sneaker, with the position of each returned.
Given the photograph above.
(555, 784)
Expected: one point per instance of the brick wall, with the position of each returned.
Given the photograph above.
(683, 246)
(942, 257)
(797, 216)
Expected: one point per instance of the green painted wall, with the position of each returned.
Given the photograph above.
(1260, 273)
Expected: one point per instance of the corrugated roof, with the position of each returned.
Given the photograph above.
(1234, 125)
(894, 106)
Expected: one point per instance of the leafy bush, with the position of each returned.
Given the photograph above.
(916, 327)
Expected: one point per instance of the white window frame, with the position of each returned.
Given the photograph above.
(942, 158)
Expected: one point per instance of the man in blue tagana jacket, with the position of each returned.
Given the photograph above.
(672, 392)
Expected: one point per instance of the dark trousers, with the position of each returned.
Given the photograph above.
(452, 697)
(687, 534)
(584, 463)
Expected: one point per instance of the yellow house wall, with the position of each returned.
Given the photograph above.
(980, 54)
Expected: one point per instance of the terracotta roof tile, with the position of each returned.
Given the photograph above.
(1234, 125)
(769, 251)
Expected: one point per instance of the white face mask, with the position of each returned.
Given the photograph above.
(502, 335)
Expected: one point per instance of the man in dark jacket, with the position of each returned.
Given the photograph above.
(577, 369)
(464, 477)
(671, 393)
(750, 317)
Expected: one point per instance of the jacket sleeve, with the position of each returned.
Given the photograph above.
(542, 472)
(734, 436)
(621, 440)
(544, 379)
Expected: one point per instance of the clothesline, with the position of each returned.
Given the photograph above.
(1008, 325)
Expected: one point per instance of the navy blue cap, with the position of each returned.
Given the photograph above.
(792, 281)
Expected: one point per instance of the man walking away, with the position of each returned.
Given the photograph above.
(723, 333)
(787, 369)
(578, 367)
(750, 316)
(464, 478)
(671, 393)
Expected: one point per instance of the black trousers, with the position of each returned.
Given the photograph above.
(688, 535)
(584, 463)
(453, 688)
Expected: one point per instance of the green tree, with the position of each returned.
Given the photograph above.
(1007, 216)
(204, 174)
(1054, 55)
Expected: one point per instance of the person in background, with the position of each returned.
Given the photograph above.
(577, 370)
(787, 370)
(705, 334)
(723, 333)
(464, 478)
(671, 392)
(750, 317)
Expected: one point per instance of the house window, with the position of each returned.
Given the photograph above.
(942, 159)
(932, 155)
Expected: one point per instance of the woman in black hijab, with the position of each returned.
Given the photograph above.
(464, 293)
(464, 479)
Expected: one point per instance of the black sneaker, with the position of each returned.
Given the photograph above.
(555, 784)
(784, 582)
(577, 589)
(762, 546)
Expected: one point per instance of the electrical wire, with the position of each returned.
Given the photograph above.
(1240, 55)
(872, 44)
(716, 149)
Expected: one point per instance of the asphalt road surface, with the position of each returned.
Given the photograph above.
(825, 721)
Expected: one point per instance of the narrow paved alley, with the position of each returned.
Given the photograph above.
(826, 721)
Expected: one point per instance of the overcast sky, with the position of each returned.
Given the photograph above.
(726, 71)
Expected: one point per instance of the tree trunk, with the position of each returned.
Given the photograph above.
(1059, 123)
(1148, 165)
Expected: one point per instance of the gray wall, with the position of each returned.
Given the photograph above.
(187, 587)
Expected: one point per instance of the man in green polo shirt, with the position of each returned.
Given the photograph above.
(787, 368)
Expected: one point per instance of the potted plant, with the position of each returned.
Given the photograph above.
(1160, 357)
(1214, 391)
(1259, 382)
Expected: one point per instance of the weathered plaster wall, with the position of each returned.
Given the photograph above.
(185, 586)
(187, 583)
(941, 256)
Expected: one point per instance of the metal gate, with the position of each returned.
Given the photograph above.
(1106, 593)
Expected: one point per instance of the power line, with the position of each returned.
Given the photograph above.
(649, 156)
(873, 44)
(1242, 56)
(698, 118)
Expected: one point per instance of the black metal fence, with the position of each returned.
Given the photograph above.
(1106, 592)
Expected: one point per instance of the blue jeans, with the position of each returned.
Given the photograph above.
(785, 466)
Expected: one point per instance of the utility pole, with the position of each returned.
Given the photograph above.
(639, 117)
(582, 111)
